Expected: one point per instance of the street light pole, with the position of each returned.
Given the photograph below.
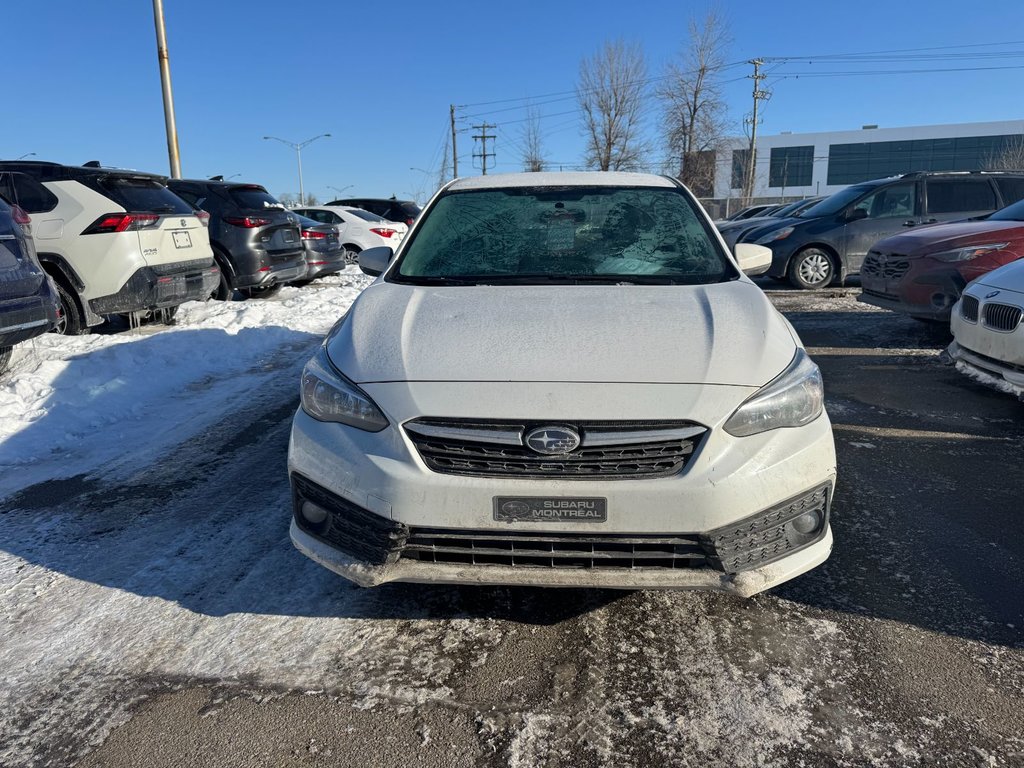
(342, 190)
(297, 146)
(165, 83)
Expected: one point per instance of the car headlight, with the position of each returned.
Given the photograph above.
(794, 398)
(775, 234)
(329, 396)
(968, 253)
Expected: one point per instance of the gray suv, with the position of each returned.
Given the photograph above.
(256, 242)
(830, 240)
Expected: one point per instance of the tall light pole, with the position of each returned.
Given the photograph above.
(27, 154)
(165, 83)
(298, 155)
(342, 190)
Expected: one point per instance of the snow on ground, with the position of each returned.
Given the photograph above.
(138, 388)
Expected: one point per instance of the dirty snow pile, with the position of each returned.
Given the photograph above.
(153, 387)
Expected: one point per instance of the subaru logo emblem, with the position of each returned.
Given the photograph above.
(991, 295)
(552, 440)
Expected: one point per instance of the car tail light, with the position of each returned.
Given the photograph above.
(249, 222)
(408, 222)
(204, 218)
(122, 222)
(383, 231)
(311, 234)
(20, 217)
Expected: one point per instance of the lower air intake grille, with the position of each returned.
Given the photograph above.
(553, 550)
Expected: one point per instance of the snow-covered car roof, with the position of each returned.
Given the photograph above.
(562, 179)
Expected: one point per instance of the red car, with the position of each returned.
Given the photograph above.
(922, 273)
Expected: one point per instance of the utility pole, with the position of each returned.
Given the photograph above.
(483, 154)
(455, 154)
(165, 83)
(759, 95)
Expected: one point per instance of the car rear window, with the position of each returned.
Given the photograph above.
(365, 215)
(254, 198)
(142, 194)
(588, 234)
(410, 209)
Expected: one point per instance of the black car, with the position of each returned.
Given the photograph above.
(29, 304)
(831, 239)
(256, 242)
(392, 209)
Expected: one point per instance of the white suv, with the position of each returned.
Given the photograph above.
(116, 242)
(567, 380)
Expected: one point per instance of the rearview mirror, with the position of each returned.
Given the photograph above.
(373, 261)
(753, 259)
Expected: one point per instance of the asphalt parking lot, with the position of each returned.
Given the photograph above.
(165, 620)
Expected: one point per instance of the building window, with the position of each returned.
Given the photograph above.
(791, 167)
(740, 161)
(853, 163)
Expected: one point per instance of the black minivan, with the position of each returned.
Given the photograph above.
(831, 239)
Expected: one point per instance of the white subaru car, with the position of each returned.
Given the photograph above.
(988, 329)
(563, 379)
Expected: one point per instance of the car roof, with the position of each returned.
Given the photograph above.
(562, 179)
(217, 183)
(47, 171)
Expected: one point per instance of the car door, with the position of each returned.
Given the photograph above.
(958, 198)
(886, 211)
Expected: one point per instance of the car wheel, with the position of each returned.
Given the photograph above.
(71, 322)
(352, 253)
(811, 268)
(5, 358)
(223, 291)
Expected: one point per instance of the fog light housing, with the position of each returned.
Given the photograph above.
(808, 523)
(313, 514)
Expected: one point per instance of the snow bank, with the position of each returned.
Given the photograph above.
(72, 404)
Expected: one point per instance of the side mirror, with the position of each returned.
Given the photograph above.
(753, 259)
(374, 261)
(856, 214)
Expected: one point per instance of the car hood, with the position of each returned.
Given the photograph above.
(1009, 277)
(956, 234)
(725, 333)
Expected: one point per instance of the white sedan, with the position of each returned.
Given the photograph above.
(988, 332)
(564, 379)
(359, 229)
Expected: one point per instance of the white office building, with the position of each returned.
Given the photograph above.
(806, 164)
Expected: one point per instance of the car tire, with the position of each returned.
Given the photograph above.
(223, 291)
(5, 358)
(71, 322)
(352, 253)
(811, 268)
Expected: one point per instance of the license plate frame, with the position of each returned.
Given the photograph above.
(550, 509)
(182, 238)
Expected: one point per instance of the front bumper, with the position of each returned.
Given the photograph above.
(924, 291)
(25, 318)
(159, 287)
(728, 481)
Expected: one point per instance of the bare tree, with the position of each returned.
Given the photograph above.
(288, 199)
(695, 118)
(610, 92)
(533, 150)
(1009, 158)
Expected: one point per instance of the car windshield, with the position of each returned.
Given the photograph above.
(1013, 212)
(835, 203)
(567, 235)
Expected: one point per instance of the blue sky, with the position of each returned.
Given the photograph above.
(82, 81)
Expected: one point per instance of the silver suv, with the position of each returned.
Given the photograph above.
(116, 242)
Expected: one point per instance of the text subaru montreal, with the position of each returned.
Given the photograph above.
(565, 380)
